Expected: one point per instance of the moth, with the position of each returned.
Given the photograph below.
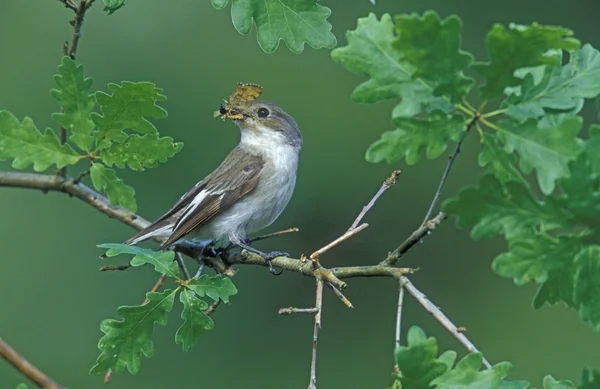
(243, 92)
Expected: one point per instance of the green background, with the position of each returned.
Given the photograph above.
(52, 298)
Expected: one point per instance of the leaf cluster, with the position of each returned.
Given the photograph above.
(120, 135)
(126, 340)
(418, 366)
(539, 78)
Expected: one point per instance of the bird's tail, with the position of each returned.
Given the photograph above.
(160, 228)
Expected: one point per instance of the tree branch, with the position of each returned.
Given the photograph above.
(391, 180)
(399, 312)
(439, 316)
(413, 239)
(451, 158)
(69, 4)
(318, 308)
(26, 368)
(71, 51)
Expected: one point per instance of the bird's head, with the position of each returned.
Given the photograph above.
(259, 120)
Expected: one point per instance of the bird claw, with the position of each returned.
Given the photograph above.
(272, 255)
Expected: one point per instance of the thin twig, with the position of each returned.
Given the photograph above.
(391, 180)
(69, 4)
(81, 176)
(116, 267)
(318, 306)
(439, 316)
(413, 239)
(340, 295)
(199, 272)
(25, 367)
(157, 286)
(77, 23)
(274, 234)
(451, 158)
(399, 313)
(347, 235)
(212, 307)
(293, 310)
(182, 268)
(71, 51)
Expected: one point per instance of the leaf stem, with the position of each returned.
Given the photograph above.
(468, 105)
(465, 110)
(493, 113)
(491, 125)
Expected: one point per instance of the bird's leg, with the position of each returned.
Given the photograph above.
(194, 248)
(267, 256)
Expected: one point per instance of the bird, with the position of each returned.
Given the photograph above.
(249, 190)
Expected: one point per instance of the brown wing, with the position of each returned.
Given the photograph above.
(233, 179)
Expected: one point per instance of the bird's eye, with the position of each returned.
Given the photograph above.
(263, 112)
(222, 109)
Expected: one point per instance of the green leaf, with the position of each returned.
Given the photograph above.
(215, 287)
(21, 386)
(590, 379)
(432, 46)
(494, 208)
(550, 383)
(112, 6)
(545, 149)
(415, 134)
(417, 362)
(371, 51)
(587, 285)
(559, 287)
(293, 21)
(141, 152)
(26, 145)
(536, 257)
(76, 102)
(519, 47)
(580, 197)
(126, 340)
(561, 88)
(118, 193)
(196, 322)
(127, 108)
(161, 260)
(501, 163)
(466, 375)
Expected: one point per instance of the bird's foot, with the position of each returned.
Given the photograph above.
(268, 257)
(271, 256)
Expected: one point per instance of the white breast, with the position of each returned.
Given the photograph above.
(261, 207)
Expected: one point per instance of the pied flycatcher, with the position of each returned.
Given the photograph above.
(249, 190)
